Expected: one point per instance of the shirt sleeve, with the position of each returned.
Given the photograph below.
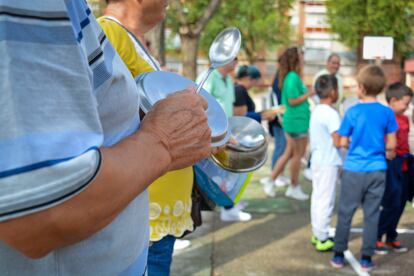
(392, 125)
(231, 90)
(125, 47)
(240, 94)
(333, 121)
(346, 127)
(50, 130)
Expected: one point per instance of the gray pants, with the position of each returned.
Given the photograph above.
(365, 189)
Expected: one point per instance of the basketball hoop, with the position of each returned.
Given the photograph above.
(378, 48)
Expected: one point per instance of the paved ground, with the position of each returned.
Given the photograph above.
(275, 242)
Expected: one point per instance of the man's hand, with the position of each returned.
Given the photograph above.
(179, 122)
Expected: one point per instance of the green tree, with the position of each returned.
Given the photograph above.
(353, 19)
(263, 24)
(156, 37)
(97, 6)
(188, 18)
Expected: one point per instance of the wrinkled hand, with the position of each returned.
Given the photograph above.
(179, 122)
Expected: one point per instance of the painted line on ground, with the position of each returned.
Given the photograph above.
(351, 259)
(360, 230)
(354, 264)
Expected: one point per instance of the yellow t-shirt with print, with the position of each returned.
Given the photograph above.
(170, 195)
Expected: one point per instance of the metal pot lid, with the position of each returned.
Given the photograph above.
(155, 86)
(143, 101)
(248, 133)
(240, 170)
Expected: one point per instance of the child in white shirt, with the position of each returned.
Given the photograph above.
(326, 160)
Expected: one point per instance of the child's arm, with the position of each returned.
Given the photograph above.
(391, 142)
(344, 142)
(345, 130)
(390, 145)
(336, 139)
(340, 141)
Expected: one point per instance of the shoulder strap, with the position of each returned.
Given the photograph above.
(136, 40)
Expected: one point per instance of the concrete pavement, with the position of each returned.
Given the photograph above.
(275, 242)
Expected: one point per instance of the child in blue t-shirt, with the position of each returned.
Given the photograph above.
(364, 129)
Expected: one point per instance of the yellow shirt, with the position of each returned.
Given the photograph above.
(170, 195)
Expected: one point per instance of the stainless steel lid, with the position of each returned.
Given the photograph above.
(154, 86)
(248, 152)
(247, 133)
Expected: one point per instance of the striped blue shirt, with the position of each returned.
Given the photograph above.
(64, 93)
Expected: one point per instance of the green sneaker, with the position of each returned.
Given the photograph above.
(314, 240)
(323, 246)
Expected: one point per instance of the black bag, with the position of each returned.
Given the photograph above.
(200, 202)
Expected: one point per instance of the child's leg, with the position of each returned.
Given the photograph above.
(350, 197)
(323, 199)
(401, 201)
(317, 174)
(390, 203)
(374, 186)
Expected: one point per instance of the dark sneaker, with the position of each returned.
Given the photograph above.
(380, 248)
(397, 247)
(338, 261)
(367, 265)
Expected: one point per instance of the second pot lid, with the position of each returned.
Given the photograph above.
(157, 85)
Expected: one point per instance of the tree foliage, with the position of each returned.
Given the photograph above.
(263, 24)
(352, 19)
(188, 18)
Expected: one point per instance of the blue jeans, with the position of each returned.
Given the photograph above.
(280, 143)
(160, 256)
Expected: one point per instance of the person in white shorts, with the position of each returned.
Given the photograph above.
(326, 160)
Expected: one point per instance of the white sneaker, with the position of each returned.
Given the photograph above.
(285, 179)
(234, 214)
(268, 186)
(181, 244)
(241, 204)
(304, 162)
(296, 192)
(280, 182)
(265, 180)
(307, 173)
